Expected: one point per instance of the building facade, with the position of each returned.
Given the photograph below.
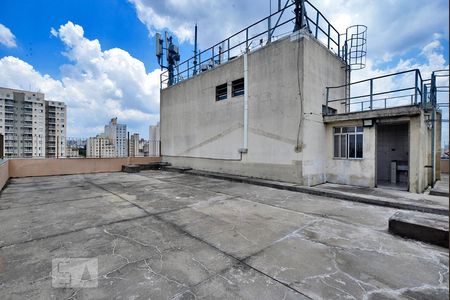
(154, 140)
(100, 146)
(117, 133)
(22, 123)
(55, 128)
(134, 145)
(274, 113)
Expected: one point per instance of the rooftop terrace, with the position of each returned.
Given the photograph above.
(165, 235)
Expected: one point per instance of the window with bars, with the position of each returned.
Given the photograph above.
(221, 92)
(237, 87)
(348, 142)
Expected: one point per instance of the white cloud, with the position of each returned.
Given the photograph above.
(7, 38)
(97, 84)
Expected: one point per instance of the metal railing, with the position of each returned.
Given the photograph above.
(392, 90)
(255, 36)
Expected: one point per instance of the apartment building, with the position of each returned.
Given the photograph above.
(22, 123)
(154, 142)
(134, 145)
(117, 133)
(55, 128)
(100, 146)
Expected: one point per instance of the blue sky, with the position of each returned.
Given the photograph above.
(98, 56)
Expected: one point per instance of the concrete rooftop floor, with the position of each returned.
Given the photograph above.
(164, 235)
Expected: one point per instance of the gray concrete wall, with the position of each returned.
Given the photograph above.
(359, 172)
(286, 87)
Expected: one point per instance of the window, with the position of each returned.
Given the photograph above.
(348, 142)
(221, 92)
(237, 87)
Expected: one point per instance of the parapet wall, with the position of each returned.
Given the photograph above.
(16, 168)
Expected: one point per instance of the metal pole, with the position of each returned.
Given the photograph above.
(371, 94)
(415, 86)
(195, 51)
(128, 144)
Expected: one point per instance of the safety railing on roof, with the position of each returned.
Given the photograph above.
(392, 90)
(254, 36)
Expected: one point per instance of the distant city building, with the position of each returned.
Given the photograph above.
(154, 142)
(117, 133)
(25, 127)
(55, 128)
(72, 152)
(100, 146)
(134, 144)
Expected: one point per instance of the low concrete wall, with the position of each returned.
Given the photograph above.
(444, 165)
(4, 173)
(66, 166)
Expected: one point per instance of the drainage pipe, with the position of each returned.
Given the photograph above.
(245, 141)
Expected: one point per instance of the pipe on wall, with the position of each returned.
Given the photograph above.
(244, 148)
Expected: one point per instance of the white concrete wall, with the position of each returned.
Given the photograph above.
(199, 132)
(359, 172)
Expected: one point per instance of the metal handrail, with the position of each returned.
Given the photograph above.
(215, 55)
(418, 97)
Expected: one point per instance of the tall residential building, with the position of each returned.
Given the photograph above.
(55, 129)
(22, 123)
(117, 133)
(134, 145)
(154, 140)
(100, 146)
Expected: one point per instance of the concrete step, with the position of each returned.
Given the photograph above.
(177, 169)
(131, 168)
(154, 166)
(428, 228)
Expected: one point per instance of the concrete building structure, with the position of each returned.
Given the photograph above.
(55, 128)
(274, 113)
(31, 125)
(154, 142)
(134, 145)
(72, 152)
(100, 146)
(117, 133)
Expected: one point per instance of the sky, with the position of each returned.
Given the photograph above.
(99, 56)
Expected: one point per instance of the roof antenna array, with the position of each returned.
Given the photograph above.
(172, 54)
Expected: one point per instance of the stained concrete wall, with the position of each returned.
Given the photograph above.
(4, 173)
(65, 166)
(286, 86)
(360, 172)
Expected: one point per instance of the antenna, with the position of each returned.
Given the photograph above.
(172, 54)
(300, 16)
(195, 50)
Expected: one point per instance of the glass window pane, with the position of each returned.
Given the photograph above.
(336, 146)
(344, 146)
(350, 129)
(359, 129)
(359, 146)
(344, 129)
(337, 129)
(351, 146)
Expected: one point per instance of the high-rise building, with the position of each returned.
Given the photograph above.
(22, 123)
(117, 133)
(100, 146)
(154, 140)
(55, 128)
(134, 145)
